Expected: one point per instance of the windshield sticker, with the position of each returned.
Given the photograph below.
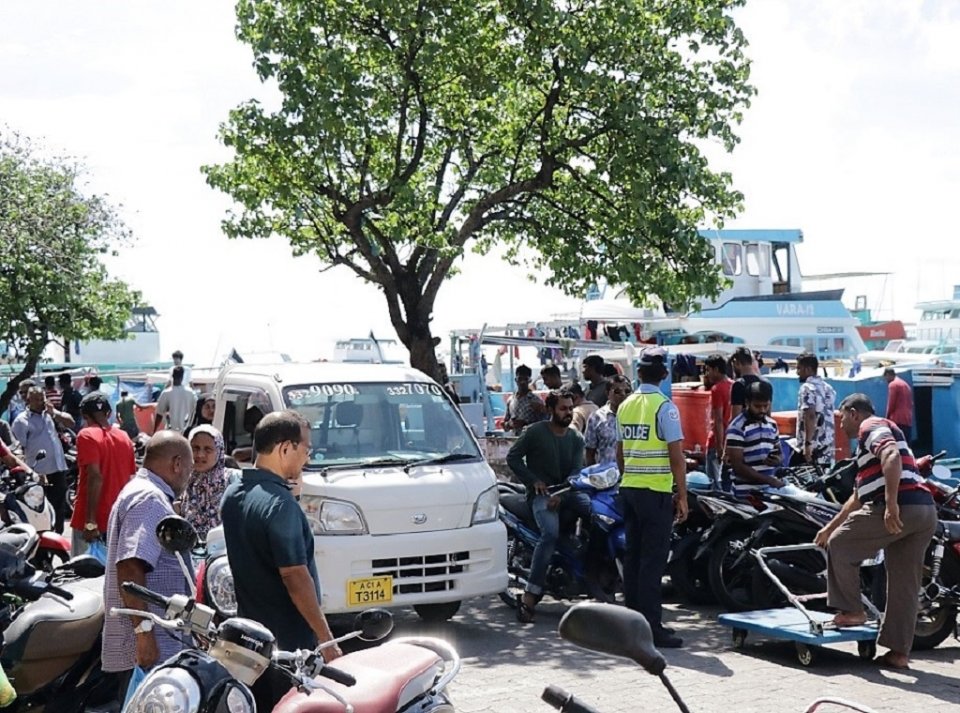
(310, 393)
(410, 389)
(314, 390)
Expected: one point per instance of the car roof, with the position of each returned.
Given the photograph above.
(286, 373)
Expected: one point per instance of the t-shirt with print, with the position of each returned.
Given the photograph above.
(757, 438)
(875, 434)
(818, 395)
(601, 434)
(111, 450)
(528, 408)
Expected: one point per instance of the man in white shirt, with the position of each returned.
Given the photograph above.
(176, 405)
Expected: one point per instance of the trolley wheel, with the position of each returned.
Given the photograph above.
(739, 638)
(867, 650)
(806, 655)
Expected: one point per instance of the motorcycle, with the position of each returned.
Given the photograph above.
(566, 575)
(618, 631)
(24, 501)
(52, 624)
(688, 574)
(236, 666)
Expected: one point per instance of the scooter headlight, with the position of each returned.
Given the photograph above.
(605, 478)
(34, 497)
(220, 588)
(238, 701)
(167, 690)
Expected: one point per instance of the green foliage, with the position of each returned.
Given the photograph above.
(568, 130)
(52, 238)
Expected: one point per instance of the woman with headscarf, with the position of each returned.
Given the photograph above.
(200, 502)
(206, 409)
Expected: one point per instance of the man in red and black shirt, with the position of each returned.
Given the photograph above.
(890, 509)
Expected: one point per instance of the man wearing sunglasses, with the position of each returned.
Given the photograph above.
(600, 440)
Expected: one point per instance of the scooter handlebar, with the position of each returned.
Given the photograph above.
(335, 674)
(565, 702)
(145, 594)
(32, 589)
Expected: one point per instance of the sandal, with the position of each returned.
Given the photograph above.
(842, 621)
(524, 613)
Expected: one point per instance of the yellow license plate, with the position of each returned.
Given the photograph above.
(370, 590)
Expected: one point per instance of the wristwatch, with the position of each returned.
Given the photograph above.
(90, 527)
(144, 627)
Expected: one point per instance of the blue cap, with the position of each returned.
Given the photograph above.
(653, 356)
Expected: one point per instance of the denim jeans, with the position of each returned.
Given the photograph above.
(548, 521)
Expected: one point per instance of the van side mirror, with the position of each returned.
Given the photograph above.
(176, 534)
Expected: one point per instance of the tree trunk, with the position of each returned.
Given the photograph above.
(422, 346)
(29, 368)
(66, 351)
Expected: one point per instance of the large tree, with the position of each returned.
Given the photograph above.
(53, 284)
(569, 131)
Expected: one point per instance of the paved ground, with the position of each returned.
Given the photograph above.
(507, 665)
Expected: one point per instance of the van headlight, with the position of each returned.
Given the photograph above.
(167, 690)
(218, 582)
(485, 509)
(333, 517)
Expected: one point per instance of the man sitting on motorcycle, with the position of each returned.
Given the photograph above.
(753, 442)
(546, 454)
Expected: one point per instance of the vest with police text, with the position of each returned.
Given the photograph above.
(646, 460)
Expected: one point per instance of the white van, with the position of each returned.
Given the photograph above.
(402, 503)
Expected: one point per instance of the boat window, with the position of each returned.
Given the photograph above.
(808, 344)
(732, 259)
(758, 259)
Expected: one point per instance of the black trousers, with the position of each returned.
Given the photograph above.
(56, 492)
(648, 522)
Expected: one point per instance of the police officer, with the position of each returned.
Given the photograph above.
(650, 456)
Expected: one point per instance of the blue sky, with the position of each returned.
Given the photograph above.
(853, 138)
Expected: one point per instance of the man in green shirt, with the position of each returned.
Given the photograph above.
(126, 414)
(546, 454)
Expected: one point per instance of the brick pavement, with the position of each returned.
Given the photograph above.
(506, 666)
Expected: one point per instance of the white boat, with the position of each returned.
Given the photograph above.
(940, 320)
(763, 305)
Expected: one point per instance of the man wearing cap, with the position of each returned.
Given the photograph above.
(106, 463)
(650, 456)
(36, 430)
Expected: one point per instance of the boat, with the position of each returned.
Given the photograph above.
(940, 320)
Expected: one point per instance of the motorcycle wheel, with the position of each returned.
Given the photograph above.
(934, 625)
(731, 585)
(692, 580)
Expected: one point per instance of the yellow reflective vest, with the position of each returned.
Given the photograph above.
(646, 459)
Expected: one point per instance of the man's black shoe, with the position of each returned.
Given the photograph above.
(663, 640)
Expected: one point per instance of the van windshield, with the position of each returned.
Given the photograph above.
(360, 422)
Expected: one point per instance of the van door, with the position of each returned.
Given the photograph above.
(243, 408)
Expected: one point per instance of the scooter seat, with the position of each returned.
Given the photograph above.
(517, 505)
(951, 530)
(389, 677)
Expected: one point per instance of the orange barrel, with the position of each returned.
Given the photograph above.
(694, 408)
(145, 418)
(787, 424)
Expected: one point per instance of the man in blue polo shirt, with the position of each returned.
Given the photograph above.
(269, 542)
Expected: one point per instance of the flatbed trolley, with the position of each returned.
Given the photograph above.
(808, 629)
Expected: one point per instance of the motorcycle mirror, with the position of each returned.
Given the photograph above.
(176, 534)
(41, 454)
(613, 630)
(374, 624)
(85, 566)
